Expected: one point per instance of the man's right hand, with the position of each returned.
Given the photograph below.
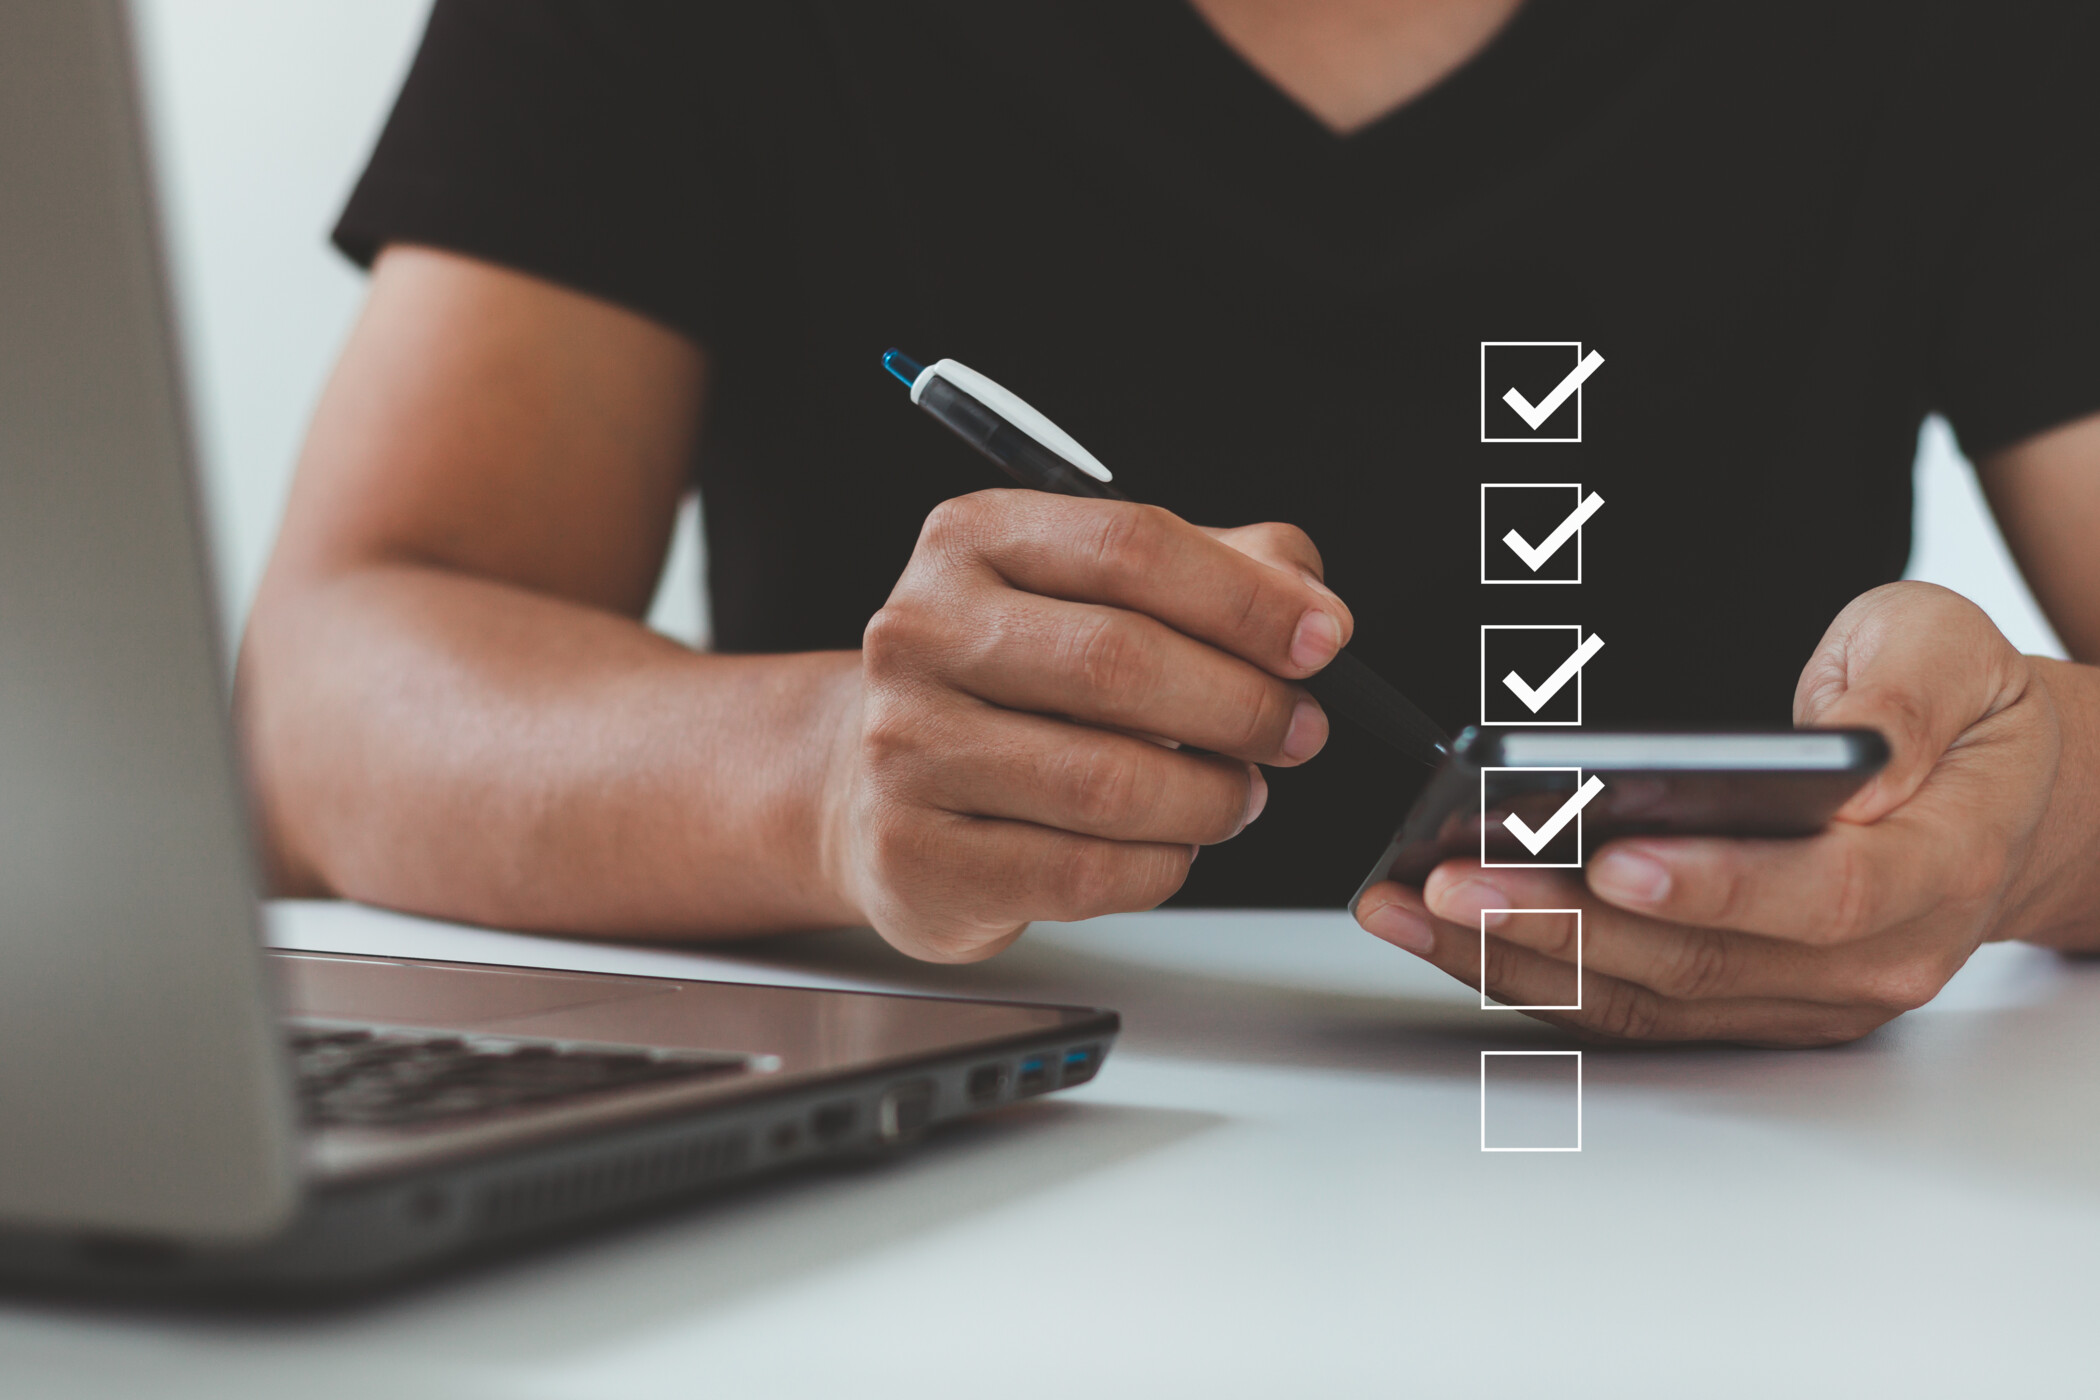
(1002, 761)
(452, 706)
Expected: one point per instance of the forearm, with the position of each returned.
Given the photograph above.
(445, 744)
(2057, 902)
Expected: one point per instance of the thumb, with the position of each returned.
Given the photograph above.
(1919, 663)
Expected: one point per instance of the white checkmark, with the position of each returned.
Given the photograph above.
(1535, 841)
(1534, 699)
(1562, 391)
(1562, 532)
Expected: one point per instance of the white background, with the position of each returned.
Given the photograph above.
(263, 114)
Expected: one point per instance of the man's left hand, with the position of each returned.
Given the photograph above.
(1810, 941)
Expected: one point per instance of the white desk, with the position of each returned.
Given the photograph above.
(1275, 1188)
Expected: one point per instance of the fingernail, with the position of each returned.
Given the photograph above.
(1308, 731)
(1401, 927)
(1316, 641)
(1629, 877)
(1257, 796)
(1475, 903)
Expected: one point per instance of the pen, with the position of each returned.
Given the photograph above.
(1043, 457)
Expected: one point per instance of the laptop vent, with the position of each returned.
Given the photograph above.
(534, 1200)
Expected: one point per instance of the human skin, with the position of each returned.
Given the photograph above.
(1984, 826)
(451, 705)
(1349, 62)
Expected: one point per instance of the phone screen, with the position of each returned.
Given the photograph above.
(1505, 796)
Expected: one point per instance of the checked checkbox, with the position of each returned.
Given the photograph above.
(1568, 811)
(1531, 818)
(1531, 390)
(1532, 675)
(1531, 532)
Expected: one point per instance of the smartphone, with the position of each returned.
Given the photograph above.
(1503, 795)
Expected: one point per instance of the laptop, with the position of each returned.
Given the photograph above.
(182, 1110)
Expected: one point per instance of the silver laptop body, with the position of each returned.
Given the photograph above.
(180, 1109)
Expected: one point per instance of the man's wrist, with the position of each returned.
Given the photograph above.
(2058, 893)
(831, 842)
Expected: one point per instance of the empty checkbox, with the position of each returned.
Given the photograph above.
(1561, 985)
(1531, 1101)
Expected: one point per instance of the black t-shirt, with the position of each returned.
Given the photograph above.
(1792, 229)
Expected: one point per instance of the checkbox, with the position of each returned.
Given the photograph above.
(1531, 532)
(1572, 1001)
(1531, 673)
(1531, 818)
(1531, 1101)
(1531, 390)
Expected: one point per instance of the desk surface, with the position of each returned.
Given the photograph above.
(1275, 1188)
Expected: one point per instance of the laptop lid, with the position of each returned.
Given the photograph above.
(140, 1080)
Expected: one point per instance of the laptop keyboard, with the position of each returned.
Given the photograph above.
(368, 1077)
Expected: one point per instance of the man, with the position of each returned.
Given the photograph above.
(1246, 250)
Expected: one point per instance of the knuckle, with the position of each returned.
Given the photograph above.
(957, 523)
(1294, 544)
(1103, 787)
(1293, 540)
(1090, 878)
(1724, 896)
(1111, 662)
(1849, 912)
(1626, 1012)
(879, 637)
(1161, 872)
(1499, 962)
(889, 733)
(1245, 605)
(1110, 877)
(1561, 942)
(1699, 967)
(1260, 717)
(1276, 539)
(1123, 539)
(897, 632)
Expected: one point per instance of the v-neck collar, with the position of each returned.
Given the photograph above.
(1159, 107)
(1177, 34)
(1552, 63)
(1534, 82)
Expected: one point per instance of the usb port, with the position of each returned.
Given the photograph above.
(1080, 1063)
(1034, 1076)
